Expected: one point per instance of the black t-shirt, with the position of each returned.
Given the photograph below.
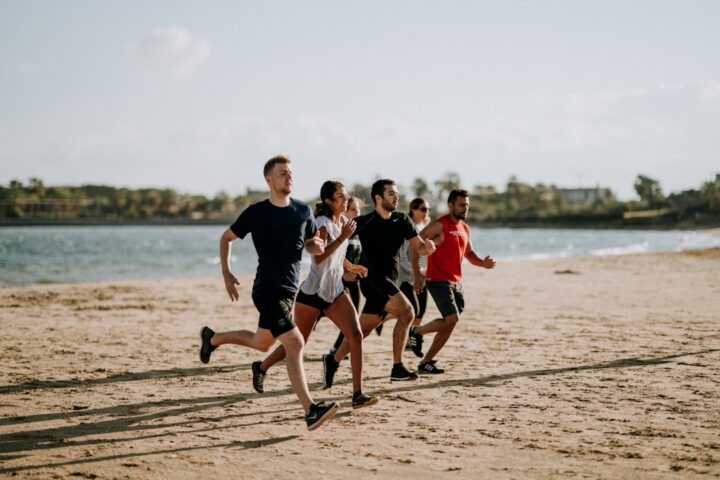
(381, 241)
(279, 235)
(354, 250)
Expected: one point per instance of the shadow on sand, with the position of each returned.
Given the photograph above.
(135, 418)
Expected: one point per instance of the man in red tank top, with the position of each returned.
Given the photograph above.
(444, 274)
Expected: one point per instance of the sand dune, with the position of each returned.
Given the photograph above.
(575, 368)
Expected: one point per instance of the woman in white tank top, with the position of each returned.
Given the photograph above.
(323, 291)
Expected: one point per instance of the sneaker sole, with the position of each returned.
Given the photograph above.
(403, 379)
(328, 415)
(371, 402)
(202, 341)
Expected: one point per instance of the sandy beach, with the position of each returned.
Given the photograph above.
(568, 368)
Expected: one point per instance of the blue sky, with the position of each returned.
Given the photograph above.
(196, 96)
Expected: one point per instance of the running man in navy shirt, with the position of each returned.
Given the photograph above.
(281, 228)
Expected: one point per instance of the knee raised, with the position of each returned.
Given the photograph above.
(407, 314)
(451, 321)
(294, 344)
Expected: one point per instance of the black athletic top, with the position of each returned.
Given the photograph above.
(381, 241)
(279, 235)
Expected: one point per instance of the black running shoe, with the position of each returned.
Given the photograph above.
(320, 413)
(416, 342)
(206, 333)
(429, 368)
(330, 366)
(258, 377)
(401, 374)
(361, 400)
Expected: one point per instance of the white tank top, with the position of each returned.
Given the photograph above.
(325, 278)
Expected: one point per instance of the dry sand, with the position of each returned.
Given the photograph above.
(574, 368)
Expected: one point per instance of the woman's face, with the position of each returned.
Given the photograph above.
(339, 203)
(353, 210)
(421, 213)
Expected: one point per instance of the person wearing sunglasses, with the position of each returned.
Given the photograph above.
(419, 213)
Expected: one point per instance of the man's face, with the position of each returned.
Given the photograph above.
(280, 178)
(459, 208)
(390, 198)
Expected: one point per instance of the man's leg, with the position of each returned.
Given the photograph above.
(400, 307)
(261, 339)
(305, 318)
(444, 328)
(293, 343)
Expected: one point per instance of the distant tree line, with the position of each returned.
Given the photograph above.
(519, 204)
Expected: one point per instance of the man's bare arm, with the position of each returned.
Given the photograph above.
(474, 259)
(225, 250)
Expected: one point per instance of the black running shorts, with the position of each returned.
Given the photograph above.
(377, 292)
(417, 300)
(314, 300)
(276, 312)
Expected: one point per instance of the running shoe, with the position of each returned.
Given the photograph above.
(258, 377)
(206, 333)
(429, 368)
(330, 366)
(401, 374)
(416, 342)
(361, 400)
(320, 413)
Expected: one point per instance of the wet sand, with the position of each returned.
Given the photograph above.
(573, 368)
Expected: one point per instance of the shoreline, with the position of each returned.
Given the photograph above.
(520, 225)
(711, 252)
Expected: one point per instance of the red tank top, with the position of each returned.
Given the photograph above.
(444, 265)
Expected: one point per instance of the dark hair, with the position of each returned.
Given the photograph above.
(415, 204)
(457, 192)
(378, 188)
(327, 192)
(270, 164)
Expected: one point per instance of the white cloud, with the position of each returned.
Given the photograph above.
(172, 50)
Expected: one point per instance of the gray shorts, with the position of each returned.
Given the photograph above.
(448, 297)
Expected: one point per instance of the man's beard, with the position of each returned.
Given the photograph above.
(388, 206)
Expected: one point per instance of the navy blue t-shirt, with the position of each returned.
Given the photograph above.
(279, 235)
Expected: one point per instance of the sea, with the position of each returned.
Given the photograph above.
(46, 255)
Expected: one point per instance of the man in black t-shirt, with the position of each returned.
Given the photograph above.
(382, 233)
(281, 228)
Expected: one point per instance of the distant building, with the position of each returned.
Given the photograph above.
(584, 196)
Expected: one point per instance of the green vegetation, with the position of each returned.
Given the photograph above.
(519, 205)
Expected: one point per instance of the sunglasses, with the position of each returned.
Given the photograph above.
(424, 209)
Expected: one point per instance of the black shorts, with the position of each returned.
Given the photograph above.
(417, 300)
(314, 300)
(377, 292)
(276, 312)
(448, 297)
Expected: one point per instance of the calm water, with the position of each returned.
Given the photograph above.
(30, 255)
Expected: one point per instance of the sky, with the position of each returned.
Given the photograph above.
(196, 96)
